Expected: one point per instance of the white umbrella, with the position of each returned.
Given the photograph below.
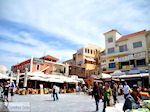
(105, 76)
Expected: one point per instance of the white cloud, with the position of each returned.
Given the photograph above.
(81, 22)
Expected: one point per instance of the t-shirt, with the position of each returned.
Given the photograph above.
(6, 88)
(12, 88)
(126, 89)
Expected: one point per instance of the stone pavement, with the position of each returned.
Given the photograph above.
(69, 102)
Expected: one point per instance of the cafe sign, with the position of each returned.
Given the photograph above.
(130, 57)
(37, 60)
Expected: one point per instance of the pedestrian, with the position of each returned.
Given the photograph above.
(1, 90)
(57, 89)
(121, 88)
(130, 102)
(115, 93)
(126, 90)
(6, 90)
(78, 89)
(12, 90)
(97, 94)
(106, 95)
(54, 92)
(84, 89)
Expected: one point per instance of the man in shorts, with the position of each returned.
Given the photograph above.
(12, 90)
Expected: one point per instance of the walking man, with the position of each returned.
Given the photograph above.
(12, 90)
(126, 90)
(97, 94)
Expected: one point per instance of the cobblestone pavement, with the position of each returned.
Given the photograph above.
(66, 103)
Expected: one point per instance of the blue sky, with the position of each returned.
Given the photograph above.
(60, 27)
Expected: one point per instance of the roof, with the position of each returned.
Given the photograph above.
(112, 31)
(131, 35)
(51, 57)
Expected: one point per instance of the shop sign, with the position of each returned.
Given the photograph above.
(130, 57)
(134, 70)
(37, 60)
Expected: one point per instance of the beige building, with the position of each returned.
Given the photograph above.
(124, 52)
(89, 58)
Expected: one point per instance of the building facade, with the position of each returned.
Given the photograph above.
(127, 51)
(47, 64)
(88, 58)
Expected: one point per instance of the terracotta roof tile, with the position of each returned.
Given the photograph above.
(51, 57)
(131, 35)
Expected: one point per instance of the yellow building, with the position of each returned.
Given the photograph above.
(89, 58)
(124, 52)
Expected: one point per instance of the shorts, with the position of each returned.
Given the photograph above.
(12, 93)
(6, 94)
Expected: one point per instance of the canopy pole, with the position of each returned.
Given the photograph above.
(17, 78)
(25, 78)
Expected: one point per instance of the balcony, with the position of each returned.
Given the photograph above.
(116, 53)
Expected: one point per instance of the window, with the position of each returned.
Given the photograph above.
(112, 65)
(111, 50)
(110, 40)
(141, 62)
(85, 50)
(91, 51)
(88, 51)
(137, 44)
(123, 48)
(38, 67)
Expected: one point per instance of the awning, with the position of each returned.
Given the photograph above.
(89, 59)
(5, 76)
(105, 76)
(135, 75)
(117, 73)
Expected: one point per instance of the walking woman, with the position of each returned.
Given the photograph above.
(97, 94)
(106, 95)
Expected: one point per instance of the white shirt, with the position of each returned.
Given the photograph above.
(126, 89)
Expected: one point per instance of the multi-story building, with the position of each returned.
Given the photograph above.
(89, 58)
(124, 52)
(47, 64)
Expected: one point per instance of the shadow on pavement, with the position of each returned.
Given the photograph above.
(49, 100)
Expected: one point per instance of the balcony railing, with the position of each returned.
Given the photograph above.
(117, 53)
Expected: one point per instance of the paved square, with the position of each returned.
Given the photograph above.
(70, 102)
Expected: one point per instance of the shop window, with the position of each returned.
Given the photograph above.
(38, 67)
(110, 40)
(141, 62)
(112, 65)
(111, 50)
(137, 44)
(123, 48)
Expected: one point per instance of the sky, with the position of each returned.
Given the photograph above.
(60, 27)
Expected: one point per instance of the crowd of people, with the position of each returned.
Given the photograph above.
(5, 89)
(107, 92)
(104, 92)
